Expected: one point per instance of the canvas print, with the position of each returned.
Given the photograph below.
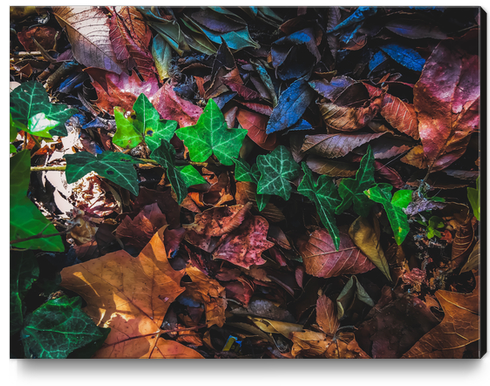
(246, 182)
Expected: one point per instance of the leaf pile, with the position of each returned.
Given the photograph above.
(248, 182)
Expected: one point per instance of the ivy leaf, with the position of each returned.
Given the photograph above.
(474, 198)
(210, 135)
(26, 219)
(324, 195)
(276, 170)
(13, 135)
(57, 328)
(165, 155)
(351, 190)
(30, 99)
(116, 167)
(24, 270)
(381, 193)
(190, 175)
(245, 173)
(143, 125)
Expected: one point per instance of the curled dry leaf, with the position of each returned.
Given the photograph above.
(131, 296)
(321, 259)
(458, 329)
(209, 292)
(366, 239)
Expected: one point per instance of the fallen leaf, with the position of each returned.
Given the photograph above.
(458, 329)
(326, 317)
(366, 239)
(256, 124)
(331, 168)
(88, 32)
(209, 292)
(447, 100)
(131, 296)
(44, 35)
(321, 258)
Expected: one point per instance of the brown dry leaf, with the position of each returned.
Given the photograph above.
(332, 168)
(131, 296)
(459, 328)
(473, 260)
(276, 327)
(141, 229)
(462, 244)
(88, 32)
(416, 157)
(245, 192)
(335, 145)
(311, 344)
(344, 118)
(209, 292)
(366, 238)
(321, 259)
(256, 124)
(326, 317)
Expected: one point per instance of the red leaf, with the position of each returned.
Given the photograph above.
(171, 106)
(326, 317)
(447, 100)
(244, 246)
(400, 115)
(256, 125)
(130, 38)
(322, 260)
(335, 145)
(45, 36)
(119, 90)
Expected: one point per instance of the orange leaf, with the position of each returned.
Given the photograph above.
(131, 296)
(326, 317)
(459, 328)
(209, 292)
(256, 124)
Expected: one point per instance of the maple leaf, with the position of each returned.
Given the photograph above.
(131, 296)
(209, 292)
(276, 170)
(331, 343)
(323, 259)
(144, 125)
(210, 135)
(351, 190)
(323, 194)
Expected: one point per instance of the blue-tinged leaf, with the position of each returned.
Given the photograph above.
(359, 15)
(378, 58)
(292, 104)
(405, 56)
(301, 125)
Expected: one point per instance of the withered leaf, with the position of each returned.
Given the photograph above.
(131, 296)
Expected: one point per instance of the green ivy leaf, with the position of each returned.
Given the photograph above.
(116, 167)
(57, 328)
(13, 135)
(351, 190)
(381, 193)
(210, 135)
(474, 198)
(190, 175)
(24, 270)
(26, 220)
(165, 156)
(243, 172)
(30, 99)
(40, 125)
(326, 198)
(276, 170)
(143, 125)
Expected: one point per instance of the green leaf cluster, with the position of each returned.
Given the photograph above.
(210, 135)
(381, 193)
(180, 177)
(26, 219)
(32, 111)
(142, 125)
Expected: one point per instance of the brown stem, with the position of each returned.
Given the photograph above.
(38, 236)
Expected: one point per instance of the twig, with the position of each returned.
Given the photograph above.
(48, 168)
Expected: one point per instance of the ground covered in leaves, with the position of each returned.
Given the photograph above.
(245, 182)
